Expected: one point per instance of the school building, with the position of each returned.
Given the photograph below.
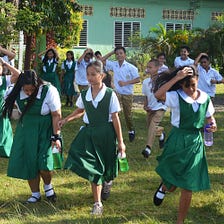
(110, 23)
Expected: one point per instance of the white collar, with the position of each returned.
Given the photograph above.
(24, 96)
(201, 99)
(99, 96)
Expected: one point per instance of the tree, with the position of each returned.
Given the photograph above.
(37, 18)
(7, 23)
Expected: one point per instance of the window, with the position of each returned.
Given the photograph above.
(178, 26)
(124, 31)
(127, 12)
(83, 34)
(215, 14)
(87, 10)
(178, 14)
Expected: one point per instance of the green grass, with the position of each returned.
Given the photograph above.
(131, 196)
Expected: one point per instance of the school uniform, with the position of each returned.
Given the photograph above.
(178, 62)
(183, 161)
(163, 68)
(93, 154)
(69, 76)
(204, 80)
(6, 135)
(125, 72)
(31, 149)
(157, 110)
(50, 75)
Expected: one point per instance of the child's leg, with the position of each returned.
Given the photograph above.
(96, 189)
(35, 189)
(48, 188)
(184, 204)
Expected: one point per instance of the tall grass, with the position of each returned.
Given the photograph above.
(132, 192)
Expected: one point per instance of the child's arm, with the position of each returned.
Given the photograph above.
(212, 122)
(160, 94)
(105, 57)
(88, 50)
(197, 59)
(56, 116)
(75, 115)
(117, 127)
(40, 54)
(10, 54)
(129, 82)
(15, 72)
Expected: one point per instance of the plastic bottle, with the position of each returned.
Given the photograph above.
(208, 136)
(57, 158)
(123, 162)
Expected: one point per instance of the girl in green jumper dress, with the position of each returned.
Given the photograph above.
(183, 162)
(6, 135)
(50, 62)
(31, 155)
(68, 73)
(93, 153)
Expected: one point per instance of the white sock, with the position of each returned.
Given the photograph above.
(99, 203)
(148, 150)
(159, 194)
(161, 137)
(48, 188)
(36, 195)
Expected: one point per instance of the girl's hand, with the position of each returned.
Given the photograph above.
(56, 144)
(212, 128)
(121, 148)
(186, 71)
(61, 123)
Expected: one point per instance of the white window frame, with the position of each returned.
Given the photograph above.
(123, 40)
(183, 25)
(86, 33)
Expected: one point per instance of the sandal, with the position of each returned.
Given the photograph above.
(53, 197)
(159, 195)
(33, 199)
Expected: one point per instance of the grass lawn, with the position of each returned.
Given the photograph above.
(132, 192)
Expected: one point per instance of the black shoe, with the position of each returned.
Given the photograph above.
(146, 152)
(161, 142)
(131, 135)
(105, 193)
(159, 196)
(52, 198)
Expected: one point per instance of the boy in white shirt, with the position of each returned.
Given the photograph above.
(183, 59)
(208, 76)
(125, 76)
(155, 110)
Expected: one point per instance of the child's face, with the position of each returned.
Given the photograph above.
(204, 63)
(50, 54)
(94, 77)
(151, 68)
(29, 89)
(69, 56)
(191, 90)
(161, 60)
(87, 58)
(120, 55)
(184, 53)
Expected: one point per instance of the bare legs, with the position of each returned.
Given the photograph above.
(96, 189)
(184, 203)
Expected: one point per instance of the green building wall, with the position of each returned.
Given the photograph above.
(100, 29)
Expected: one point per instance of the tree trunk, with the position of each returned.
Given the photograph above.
(28, 52)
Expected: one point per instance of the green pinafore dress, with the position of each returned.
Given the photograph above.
(6, 135)
(93, 154)
(183, 161)
(51, 76)
(69, 89)
(31, 149)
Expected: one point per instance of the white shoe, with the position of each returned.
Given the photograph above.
(97, 209)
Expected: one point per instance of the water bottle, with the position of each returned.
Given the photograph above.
(57, 158)
(208, 136)
(123, 162)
